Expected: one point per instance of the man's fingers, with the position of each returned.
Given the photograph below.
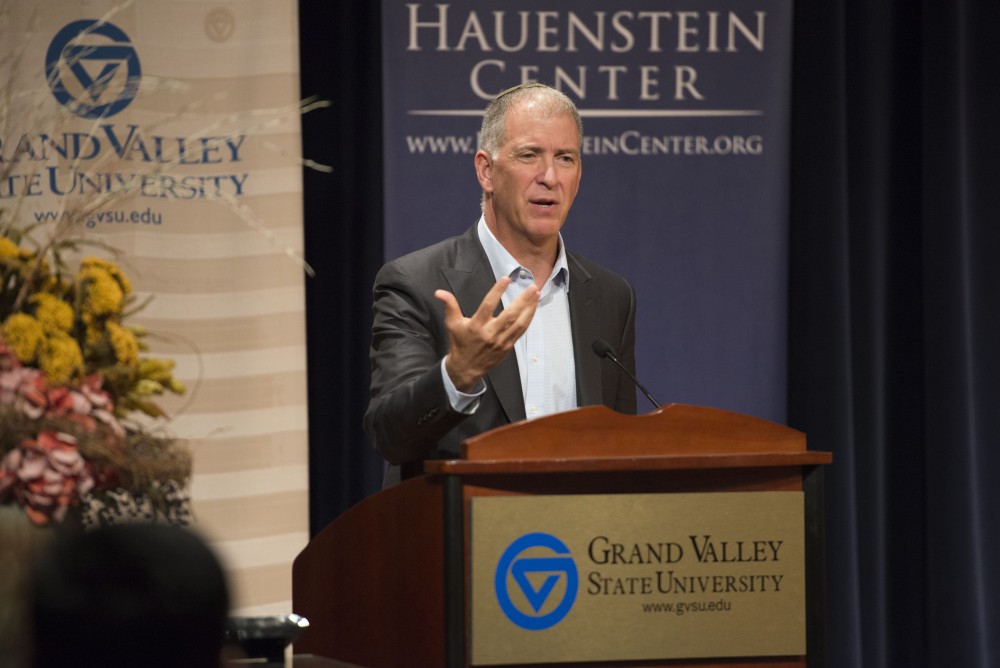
(529, 297)
(491, 300)
(451, 308)
(514, 320)
(520, 313)
(498, 333)
(526, 301)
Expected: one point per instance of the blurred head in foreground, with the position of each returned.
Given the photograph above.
(133, 595)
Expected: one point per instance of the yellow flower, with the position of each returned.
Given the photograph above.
(61, 360)
(51, 283)
(53, 313)
(24, 335)
(9, 249)
(124, 343)
(100, 265)
(93, 333)
(104, 295)
(14, 256)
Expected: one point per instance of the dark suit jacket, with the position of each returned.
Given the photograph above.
(409, 418)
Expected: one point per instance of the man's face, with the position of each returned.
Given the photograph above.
(535, 176)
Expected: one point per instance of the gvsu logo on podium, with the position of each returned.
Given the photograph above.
(92, 68)
(537, 572)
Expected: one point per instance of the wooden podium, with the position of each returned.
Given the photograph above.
(388, 582)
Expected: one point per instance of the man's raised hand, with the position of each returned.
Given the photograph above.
(478, 343)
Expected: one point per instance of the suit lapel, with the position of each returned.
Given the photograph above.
(470, 279)
(585, 319)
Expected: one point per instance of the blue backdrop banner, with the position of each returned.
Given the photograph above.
(685, 162)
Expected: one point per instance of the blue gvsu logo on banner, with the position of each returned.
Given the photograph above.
(538, 572)
(92, 68)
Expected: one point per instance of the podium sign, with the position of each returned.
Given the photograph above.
(618, 577)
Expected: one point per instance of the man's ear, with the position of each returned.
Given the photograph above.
(484, 171)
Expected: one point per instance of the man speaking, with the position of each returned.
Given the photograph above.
(447, 317)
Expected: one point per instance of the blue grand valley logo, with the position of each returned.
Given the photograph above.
(537, 577)
(92, 68)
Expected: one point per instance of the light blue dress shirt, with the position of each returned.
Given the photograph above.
(545, 351)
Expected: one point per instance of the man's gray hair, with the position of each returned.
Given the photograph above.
(552, 102)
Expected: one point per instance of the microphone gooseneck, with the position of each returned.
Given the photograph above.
(603, 349)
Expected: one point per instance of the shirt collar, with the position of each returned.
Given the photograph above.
(503, 263)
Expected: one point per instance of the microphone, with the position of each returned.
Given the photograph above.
(603, 349)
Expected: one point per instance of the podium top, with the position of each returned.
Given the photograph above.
(595, 431)
(596, 438)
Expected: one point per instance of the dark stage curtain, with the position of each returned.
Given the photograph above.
(341, 62)
(894, 313)
(894, 320)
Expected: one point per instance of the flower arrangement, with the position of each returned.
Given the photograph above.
(73, 378)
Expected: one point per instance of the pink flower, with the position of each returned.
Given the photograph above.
(12, 380)
(91, 390)
(110, 421)
(25, 388)
(47, 476)
(59, 400)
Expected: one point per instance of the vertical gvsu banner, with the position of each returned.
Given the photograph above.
(184, 117)
(684, 189)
